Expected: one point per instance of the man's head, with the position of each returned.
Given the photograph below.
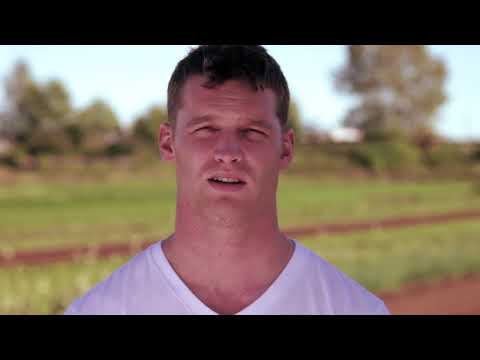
(228, 108)
(219, 63)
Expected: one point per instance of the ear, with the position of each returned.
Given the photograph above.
(165, 142)
(288, 145)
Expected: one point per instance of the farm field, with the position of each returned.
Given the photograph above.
(40, 215)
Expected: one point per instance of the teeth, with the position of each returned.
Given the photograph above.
(226, 180)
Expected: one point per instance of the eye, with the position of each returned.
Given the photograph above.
(254, 134)
(205, 131)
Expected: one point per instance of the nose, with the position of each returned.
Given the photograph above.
(228, 149)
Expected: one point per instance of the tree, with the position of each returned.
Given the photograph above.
(95, 126)
(98, 117)
(295, 120)
(47, 107)
(35, 106)
(13, 122)
(8, 126)
(401, 87)
(16, 83)
(57, 101)
(36, 114)
(146, 127)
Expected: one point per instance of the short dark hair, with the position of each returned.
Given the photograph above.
(220, 63)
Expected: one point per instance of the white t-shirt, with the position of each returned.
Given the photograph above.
(148, 284)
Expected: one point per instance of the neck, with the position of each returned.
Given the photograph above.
(219, 248)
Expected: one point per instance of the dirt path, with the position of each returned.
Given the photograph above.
(389, 223)
(104, 251)
(446, 297)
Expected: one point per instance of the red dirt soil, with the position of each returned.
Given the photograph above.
(446, 297)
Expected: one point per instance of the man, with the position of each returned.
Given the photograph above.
(229, 138)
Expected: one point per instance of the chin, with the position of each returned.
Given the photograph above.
(226, 202)
(227, 216)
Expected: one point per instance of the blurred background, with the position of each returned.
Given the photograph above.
(385, 183)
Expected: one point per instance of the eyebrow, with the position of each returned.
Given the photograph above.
(261, 123)
(198, 120)
(252, 122)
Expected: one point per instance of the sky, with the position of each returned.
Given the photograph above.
(131, 78)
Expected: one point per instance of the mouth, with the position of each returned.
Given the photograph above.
(226, 183)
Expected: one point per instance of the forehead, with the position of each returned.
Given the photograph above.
(233, 96)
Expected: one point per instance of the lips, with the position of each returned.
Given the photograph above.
(227, 179)
(226, 183)
(226, 187)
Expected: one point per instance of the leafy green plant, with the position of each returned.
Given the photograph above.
(381, 157)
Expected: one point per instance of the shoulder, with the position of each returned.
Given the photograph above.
(110, 296)
(343, 295)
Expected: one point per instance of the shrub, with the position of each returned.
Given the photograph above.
(475, 154)
(43, 142)
(380, 157)
(118, 149)
(318, 159)
(445, 155)
(15, 158)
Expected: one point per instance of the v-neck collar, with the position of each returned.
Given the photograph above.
(259, 306)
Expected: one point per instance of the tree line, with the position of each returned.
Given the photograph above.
(399, 90)
(40, 118)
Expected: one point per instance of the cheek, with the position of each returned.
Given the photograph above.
(191, 157)
(267, 148)
(265, 159)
